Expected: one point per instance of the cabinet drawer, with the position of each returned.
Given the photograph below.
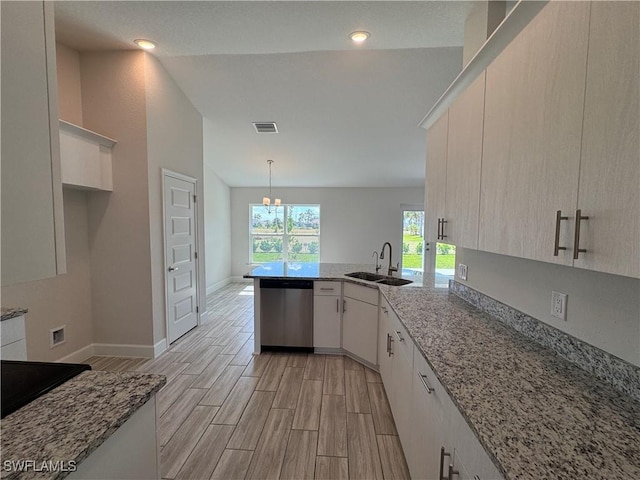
(327, 288)
(364, 294)
(402, 343)
(12, 330)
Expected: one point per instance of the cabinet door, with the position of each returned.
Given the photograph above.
(532, 135)
(359, 329)
(32, 217)
(609, 178)
(428, 429)
(326, 321)
(464, 157)
(435, 177)
(401, 385)
(384, 345)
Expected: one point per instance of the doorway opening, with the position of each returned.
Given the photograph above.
(412, 260)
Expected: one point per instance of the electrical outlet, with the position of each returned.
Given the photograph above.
(559, 305)
(462, 271)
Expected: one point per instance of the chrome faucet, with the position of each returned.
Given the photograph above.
(378, 266)
(391, 269)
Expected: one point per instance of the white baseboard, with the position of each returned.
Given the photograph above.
(116, 350)
(218, 285)
(160, 347)
(241, 280)
(79, 355)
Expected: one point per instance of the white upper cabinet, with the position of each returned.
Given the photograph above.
(609, 179)
(32, 211)
(435, 178)
(532, 136)
(464, 159)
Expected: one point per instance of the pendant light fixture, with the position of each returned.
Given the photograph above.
(266, 201)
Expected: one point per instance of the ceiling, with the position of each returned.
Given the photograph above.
(347, 114)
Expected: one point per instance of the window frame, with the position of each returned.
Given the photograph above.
(285, 234)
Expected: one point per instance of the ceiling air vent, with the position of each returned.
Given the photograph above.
(265, 127)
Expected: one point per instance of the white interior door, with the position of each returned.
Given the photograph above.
(180, 254)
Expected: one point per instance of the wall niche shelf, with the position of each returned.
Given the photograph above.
(85, 158)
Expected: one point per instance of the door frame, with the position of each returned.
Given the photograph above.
(180, 176)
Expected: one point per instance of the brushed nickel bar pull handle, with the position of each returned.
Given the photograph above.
(452, 472)
(327, 289)
(423, 379)
(389, 340)
(400, 338)
(438, 237)
(344, 306)
(442, 235)
(556, 245)
(576, 238)
(442, 455)
(337, 305)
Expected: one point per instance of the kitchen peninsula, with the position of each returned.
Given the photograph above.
(505, 406)
(96, 425)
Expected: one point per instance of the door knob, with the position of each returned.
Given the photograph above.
(173, 269)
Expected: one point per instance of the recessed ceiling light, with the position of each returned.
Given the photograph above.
(359, 36)
(145, 44)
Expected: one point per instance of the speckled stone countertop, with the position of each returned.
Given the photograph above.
(74, 419)
(11, 312)
(321, 271)
(537, 415)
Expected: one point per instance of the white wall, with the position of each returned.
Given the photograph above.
(602, 309)
(217, 210)
(174, 141)
(114, 104)
(61, 300)
(353, 221)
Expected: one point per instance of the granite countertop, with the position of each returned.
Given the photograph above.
(537, 415)
(70, 422)
(322, 271)
(11, 312)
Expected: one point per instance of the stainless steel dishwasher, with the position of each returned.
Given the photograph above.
(286, 314)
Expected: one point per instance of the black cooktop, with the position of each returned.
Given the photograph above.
(23, 382)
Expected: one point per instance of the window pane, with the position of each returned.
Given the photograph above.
(303, 220)
(266, 249)
(304, 249)
(265, 222)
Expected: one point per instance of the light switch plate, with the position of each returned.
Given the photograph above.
(559, 305)
(462, 271)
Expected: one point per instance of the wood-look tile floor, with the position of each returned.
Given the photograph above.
(227, 414)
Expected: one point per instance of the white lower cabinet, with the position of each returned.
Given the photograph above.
(434, 435)
(429, 430)
(327, 314)
(132, 452)
(360, 321)
(13, 339)
(401, 372)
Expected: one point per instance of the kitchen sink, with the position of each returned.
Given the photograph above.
(377, 278)
(396, 282)
(371, 277)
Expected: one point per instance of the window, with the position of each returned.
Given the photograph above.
(289, 233)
